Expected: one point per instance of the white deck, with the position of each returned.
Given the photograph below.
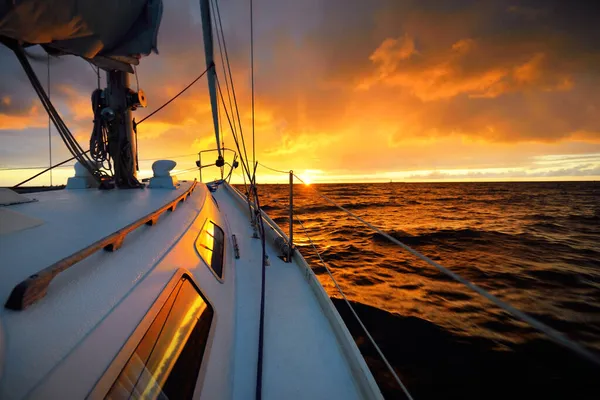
(61, 346)
(302, 356)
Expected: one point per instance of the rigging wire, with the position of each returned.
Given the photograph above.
(77, 156)
(177, 95)
(235, 139)
(186, 170)
(66, 135)
(222, 144)
(223, 64)
(220, 24)
(25, 168)
(273, 169)
(552, 333)
(252, 76)
(44, 171)
(49, 124)
(364, 328)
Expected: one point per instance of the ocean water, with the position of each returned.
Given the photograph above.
(535, 245)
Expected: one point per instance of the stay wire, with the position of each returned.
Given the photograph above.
(44, 171)
(552, 333)
(49, 125)
(213, 6)
(274, 170)
(252, 76)
(364, 328)
(67, 137)
(177, 95)
(220, 23)
(235, 139)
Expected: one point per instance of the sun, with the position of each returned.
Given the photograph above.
(310, 176)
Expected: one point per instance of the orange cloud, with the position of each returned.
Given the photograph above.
(353, 88)
(31, 118)
(446, 74)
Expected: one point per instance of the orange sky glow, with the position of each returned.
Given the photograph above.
(352, 91)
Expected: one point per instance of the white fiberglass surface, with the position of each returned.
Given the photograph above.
(302, 356)
(73, 219)
(42, 336)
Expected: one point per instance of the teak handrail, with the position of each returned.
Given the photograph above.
(35, 287)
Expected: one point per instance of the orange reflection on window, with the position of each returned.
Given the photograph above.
(210, 245)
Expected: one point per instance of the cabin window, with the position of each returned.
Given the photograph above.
(166, 363)
(210, 245)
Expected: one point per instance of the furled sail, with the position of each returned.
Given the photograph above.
(93, 29)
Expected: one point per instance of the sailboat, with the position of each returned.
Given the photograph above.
(116, 288)
(166, 288)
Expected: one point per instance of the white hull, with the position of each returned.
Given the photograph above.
(75, 341)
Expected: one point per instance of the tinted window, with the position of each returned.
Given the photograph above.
(166, 363)
(210, 245)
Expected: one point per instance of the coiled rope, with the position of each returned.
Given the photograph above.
(99, 138)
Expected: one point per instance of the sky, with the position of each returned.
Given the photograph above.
(352, 90)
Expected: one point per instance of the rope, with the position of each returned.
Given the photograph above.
(99, 138)
(186, 170)
(99, 144)
(273, 169)
(177, 95)
(44, 171)
(67, 137)
(552, 333)
(25, 168)
(261, 332)
(364, 328)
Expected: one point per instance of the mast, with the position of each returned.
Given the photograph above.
(122, 144)
(211, 74)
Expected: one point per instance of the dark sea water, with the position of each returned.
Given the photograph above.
(535, 245)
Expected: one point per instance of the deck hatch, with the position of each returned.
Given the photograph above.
(210, 244)
(166, 362)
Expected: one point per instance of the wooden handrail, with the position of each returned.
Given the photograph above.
(35, 287)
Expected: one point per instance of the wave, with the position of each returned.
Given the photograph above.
(471, 367)
(584, 218)
(549, 227)
(524, 245)
(439, 236)
(447, 199)
(350, 206)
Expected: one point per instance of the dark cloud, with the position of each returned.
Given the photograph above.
(357, 80)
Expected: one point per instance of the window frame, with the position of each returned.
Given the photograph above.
(221, 278)
(113, 370)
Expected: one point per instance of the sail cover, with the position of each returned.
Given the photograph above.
(87, 28)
